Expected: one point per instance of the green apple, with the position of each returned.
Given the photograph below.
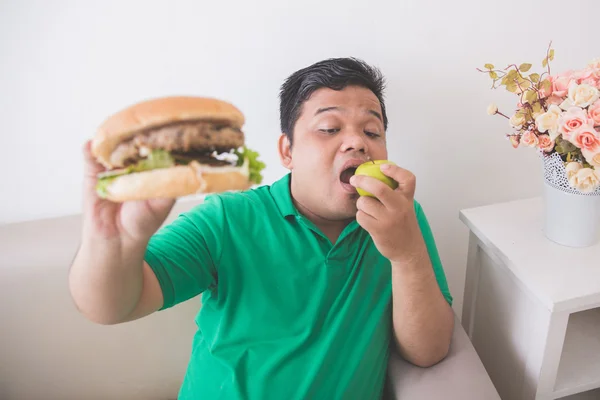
(372, 169)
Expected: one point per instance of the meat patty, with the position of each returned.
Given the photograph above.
(199, 136)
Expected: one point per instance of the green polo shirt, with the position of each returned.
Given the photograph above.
(285, 313)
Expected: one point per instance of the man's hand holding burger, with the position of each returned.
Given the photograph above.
(141, 159)
(131, 221)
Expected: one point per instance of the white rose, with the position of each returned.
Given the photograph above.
(586, 180)
(548, 121)
(492, 109)
(582, 95)
(592, 157)
(516, 121)
(572, 168)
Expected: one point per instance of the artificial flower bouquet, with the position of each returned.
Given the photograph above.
(556, 114)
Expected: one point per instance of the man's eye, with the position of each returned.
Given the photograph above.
(329, 130)
(372, 134)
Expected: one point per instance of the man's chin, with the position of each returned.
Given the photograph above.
(346, 209)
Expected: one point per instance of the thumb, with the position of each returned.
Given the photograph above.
(92, 167)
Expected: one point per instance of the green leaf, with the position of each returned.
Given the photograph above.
(544, 62)
(524, 67)
(511, 87)
(551, 55)
(535, 78)
(155, 160)
(102, 186)
(546, 85)
(512, 74)
(565, 146)
(568, 146)
(522, 112)
(524, 83)
(489, 66)
(254, 166)
(529, 96)
(493, 75)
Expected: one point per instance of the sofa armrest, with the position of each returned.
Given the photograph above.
(460, 376)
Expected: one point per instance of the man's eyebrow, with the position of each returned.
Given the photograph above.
(335, 108)
(375, 113)
(325, 109)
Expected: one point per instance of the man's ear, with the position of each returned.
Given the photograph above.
(285, 151)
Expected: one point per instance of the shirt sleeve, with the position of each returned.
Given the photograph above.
(433, 253)
(185, 253)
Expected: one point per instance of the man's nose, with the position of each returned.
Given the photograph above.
(354, 141)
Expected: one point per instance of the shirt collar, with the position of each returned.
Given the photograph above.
(281, 193)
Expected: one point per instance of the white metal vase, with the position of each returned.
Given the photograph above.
(571, 217)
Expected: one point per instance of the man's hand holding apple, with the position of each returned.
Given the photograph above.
(386, 210)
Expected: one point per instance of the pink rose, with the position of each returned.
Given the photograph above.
(571, 121)
(529, 139)
(595, 63)
(583, 74)
(585, 138)
(592, 82)
(594, 113)
(590, 76)
(561, 82)
(554, 100)
(545, 143)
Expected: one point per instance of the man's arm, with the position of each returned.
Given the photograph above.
(108, 279)
(126, 268)
(130, 292)
(422, 318)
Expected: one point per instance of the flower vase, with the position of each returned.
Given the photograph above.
(571, 217)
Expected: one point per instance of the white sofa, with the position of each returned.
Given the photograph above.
(49, 351)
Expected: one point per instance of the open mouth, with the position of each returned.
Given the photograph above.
(347, 174)
(345, 179)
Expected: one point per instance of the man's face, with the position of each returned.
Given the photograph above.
(336, 130)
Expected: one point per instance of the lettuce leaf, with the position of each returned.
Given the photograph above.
(102, 185)
(162, 159)
(156, 159)
(254, 165)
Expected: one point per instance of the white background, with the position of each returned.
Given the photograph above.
(66, 65)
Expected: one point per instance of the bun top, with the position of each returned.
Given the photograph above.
(157, 112)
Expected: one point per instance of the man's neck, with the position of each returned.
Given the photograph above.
(332, 229)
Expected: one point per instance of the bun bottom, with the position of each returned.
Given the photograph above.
(178, 181)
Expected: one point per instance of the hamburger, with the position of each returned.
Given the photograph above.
(171, 147)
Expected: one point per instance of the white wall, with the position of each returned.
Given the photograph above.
(65, 65)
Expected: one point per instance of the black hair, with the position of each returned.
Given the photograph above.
(334, 73)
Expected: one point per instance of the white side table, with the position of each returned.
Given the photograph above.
(531, 307)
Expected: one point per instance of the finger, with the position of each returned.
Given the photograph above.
(371, 207)
(380, 190)
(161, 207)
(406, 179)
(365, 220)
(92, 167)
(91, 170)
